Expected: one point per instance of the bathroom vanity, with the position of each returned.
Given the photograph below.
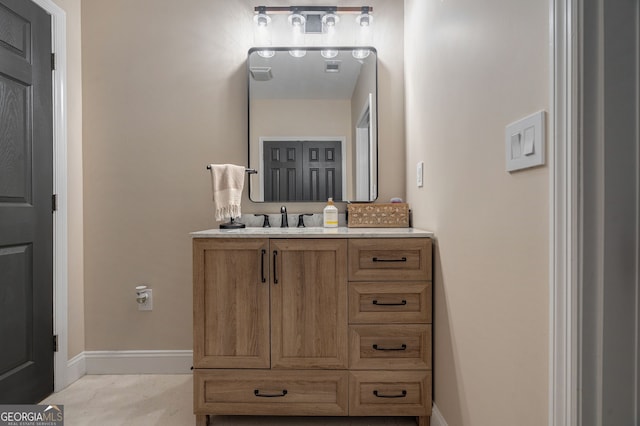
(312, 322)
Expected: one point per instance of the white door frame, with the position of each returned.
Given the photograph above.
(60, 255)
(563, 221)
(365, 137)
(362, 150)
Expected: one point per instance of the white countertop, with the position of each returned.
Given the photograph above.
(314, 232)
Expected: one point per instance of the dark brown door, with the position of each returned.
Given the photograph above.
(26, 222)
(321, 171)
(283, 171)
(302, 170)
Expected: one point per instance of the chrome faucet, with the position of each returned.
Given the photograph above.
(284, 223)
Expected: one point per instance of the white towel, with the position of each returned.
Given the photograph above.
(227, 182)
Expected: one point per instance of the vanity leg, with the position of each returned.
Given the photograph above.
(423, 420)
(202, 420)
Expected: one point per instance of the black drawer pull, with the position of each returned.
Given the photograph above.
(264, 280)
(401, 348)
(403, 259)
(275, 274)
(379, 395)
(375, 302)
(270, 395)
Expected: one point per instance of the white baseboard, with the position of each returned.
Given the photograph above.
(152, 362)
(138, 362)
(76, 368)
(127, 362)
(436, 417)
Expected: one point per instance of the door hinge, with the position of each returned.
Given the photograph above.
(55, 343)
(53, 61)
(54, 202)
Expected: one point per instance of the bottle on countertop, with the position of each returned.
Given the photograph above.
(330, 215)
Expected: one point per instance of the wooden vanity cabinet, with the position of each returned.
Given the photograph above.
(279, 305)
(390, 334)
(307, 326)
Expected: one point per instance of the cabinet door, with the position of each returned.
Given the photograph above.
(309, 303)
(231, 303)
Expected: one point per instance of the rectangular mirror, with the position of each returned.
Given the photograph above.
(313, 124)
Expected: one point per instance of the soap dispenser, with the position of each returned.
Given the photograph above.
(330, 215)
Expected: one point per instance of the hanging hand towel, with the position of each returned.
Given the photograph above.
(227, 182)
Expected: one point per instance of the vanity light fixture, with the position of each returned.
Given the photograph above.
(313, 19)
(330, 20)
(364, 19)
(297, 20)
(261, 18)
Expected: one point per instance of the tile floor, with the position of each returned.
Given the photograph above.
(154, 400)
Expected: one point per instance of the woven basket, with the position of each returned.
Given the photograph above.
(388, 215)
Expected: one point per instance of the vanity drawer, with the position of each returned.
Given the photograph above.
(390, 393)
(398, 259)
(390, 302)
(400, 347)
(267, 392)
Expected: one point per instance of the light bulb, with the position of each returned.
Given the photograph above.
(360, 53)
(297, 53)
(262, 19)
(266, 53)
(364, 19)
(330, 19)
(329, 53)
(296, 20)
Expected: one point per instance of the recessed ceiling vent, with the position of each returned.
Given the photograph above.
(332, 66)
(261, 73)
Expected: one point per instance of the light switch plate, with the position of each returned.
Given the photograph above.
(525, 142)
(148, 304)
(420, 174)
